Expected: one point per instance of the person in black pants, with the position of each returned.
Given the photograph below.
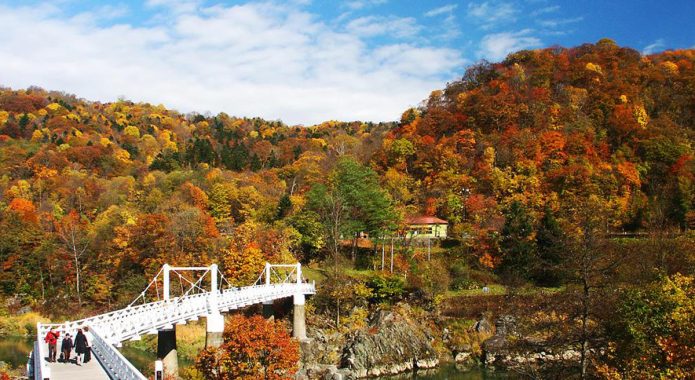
(80, 346)
(66, 348)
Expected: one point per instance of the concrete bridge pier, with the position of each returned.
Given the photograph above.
(166, 337)
(268, 311)
(214, 330)
(299, 317)
(166, 352)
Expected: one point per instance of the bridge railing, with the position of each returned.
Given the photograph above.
(38, 357)
(133, 321)
(113, 362)
(37, 368)
(127, 323)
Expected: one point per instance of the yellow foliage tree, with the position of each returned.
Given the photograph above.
(241, 268)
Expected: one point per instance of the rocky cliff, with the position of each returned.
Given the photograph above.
(391, 343)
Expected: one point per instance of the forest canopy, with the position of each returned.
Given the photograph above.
(94, 196)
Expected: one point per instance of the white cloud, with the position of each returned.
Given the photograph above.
(449, 28)
(554, 23)
(361, 4)
(496, 46)
(545, 10)
(446, 9)
(491, 14)
(175, 6)
(654, 46)
(256, 59)
(371, 26)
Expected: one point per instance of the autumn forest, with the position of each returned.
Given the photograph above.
(566, 176)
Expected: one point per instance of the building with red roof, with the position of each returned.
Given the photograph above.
(426, 227)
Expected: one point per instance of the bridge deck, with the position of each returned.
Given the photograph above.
(71, 371)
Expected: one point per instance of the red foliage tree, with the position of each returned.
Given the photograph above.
(254, 348)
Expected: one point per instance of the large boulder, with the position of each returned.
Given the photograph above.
(497, 348)
(390, 344)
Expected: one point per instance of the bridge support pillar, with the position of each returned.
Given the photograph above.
(299, 316)
(268, 309)
(215, 330)
(166, 352)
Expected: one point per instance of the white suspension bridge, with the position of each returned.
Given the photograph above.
(158, 309)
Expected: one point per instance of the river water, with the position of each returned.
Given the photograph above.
(14, 351)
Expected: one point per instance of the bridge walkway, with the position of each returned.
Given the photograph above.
(87, 371)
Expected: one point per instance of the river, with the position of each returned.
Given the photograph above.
(14, 351)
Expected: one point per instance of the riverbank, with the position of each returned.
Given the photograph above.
(23, 324)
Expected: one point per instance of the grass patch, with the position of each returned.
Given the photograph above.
(190, 340)
(495, 290)
(464, 336)
(313, 274)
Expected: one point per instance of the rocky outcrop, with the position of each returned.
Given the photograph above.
(497, 348)
(500, 352)
(391, 343)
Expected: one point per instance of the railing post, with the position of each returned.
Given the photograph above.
(213, 288)
(165, 272)
(213, 278)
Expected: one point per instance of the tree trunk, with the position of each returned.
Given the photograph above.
(43, 288)
(586, 294)
(76, 257)
(354, 247)
(391, 254)
(383, 252)
(337, 314)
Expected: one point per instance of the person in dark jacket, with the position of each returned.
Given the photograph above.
(80, 346)
(66, 347)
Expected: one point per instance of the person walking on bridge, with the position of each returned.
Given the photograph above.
(80, 346)
(52, 339)
(66, 348)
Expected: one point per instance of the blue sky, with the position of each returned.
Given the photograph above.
(301, 61)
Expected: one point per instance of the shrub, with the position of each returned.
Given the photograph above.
(385, 288)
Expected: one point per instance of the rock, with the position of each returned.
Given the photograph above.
(493, 349)
(496, 348)
(462, 357)
(446, 335)
(506, 325)
(391, 344)
(483, 326)
(498, 351)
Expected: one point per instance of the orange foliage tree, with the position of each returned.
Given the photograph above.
(25, 209)
(254, 348)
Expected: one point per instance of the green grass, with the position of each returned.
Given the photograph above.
(312, 274)
(495, 290)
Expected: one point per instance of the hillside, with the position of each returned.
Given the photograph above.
(535, 161)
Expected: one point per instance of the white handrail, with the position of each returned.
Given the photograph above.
(113, 362)
(40, 367)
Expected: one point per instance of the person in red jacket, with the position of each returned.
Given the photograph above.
(52, 340)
